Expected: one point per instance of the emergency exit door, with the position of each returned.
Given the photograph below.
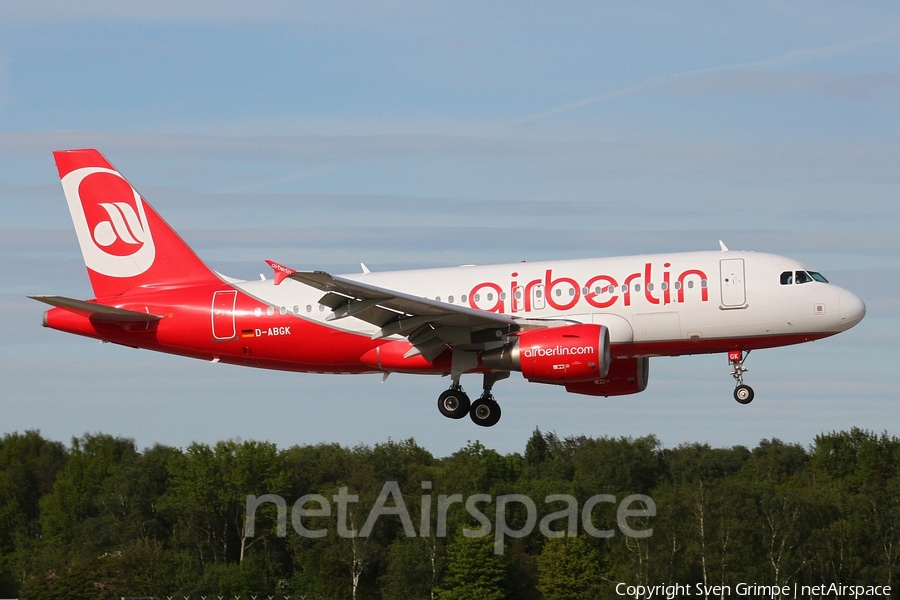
(223, 314)
(734, 294)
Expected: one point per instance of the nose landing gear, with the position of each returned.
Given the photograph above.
(742, 393)
(485, 412)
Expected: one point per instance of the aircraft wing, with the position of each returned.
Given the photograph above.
(429, 325)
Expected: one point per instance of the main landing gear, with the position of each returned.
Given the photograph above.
(454, 403)
(742, 393)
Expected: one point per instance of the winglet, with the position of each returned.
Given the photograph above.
(723, 246)
(281, 272)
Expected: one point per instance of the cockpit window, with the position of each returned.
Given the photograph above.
(791, 277)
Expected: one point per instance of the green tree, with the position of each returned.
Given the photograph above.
(473, 570)
(75, 511)
(207, 497)
(414, 566)
(616, 466)
(28, 467)
(537, 450)
(569, 569)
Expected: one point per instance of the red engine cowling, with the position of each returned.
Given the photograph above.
(626, 376)
(558, 355)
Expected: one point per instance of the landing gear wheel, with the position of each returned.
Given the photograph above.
(485, 412)
(743, 394)
(453, 404)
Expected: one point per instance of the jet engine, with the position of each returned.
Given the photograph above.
(625, 376)
(560, 355)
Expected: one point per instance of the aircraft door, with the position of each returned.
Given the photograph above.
(517, 302)
(537, 297)
(223, 314)
(731, 272)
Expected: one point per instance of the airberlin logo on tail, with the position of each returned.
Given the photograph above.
(110, 222)
(123, 225)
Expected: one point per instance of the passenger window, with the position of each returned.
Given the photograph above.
(787, 278)
(803, 277)
(450, 299)
(463, 298)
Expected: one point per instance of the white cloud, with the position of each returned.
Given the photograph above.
(6, 95)
(801, 56)
(846, 86)
(162, 10)
(380, 15)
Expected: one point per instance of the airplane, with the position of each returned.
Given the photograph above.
(588, 325)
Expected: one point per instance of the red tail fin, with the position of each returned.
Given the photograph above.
(125, 244)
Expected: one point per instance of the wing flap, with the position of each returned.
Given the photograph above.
(98, 312)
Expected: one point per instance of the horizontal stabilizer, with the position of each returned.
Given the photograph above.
(99, 312)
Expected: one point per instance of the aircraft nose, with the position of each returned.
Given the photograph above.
(852, 310)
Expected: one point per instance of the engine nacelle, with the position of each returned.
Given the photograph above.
(626, 376)
(560, 355)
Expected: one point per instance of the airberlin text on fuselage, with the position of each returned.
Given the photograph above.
(602, 291)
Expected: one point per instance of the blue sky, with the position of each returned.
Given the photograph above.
(405, 134)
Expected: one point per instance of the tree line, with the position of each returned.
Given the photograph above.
(101, 519)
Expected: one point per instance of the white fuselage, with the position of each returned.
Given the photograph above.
(641, 299)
